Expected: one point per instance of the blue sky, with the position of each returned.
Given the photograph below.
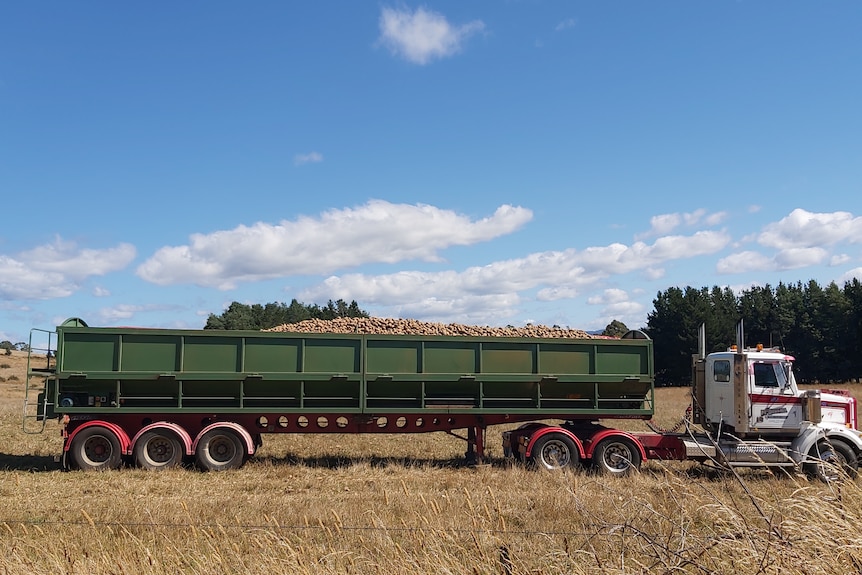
(481, 162)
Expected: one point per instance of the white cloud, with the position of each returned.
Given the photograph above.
(556, 293)
(467, 308)
(556, 274)
(57, 270)
(693, 217)
(120, 312)
(124, 312)
(801, 239)
(73, 262)
(850, 276)
(664, 224)
(99, 291)
(309, 158)
(839, 260)
(617, 304)
(789, 259)
(377, 232)
(741, 262)
(566, 24)
(795, 258)
(609, 296)
(653, 274)
(623, 310)
(422, 36)
(803, 229)
(715, 219)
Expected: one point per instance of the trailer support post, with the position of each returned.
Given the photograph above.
(475, 445)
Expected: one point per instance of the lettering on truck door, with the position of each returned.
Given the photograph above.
(774, 405)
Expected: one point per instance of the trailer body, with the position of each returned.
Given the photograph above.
(158, 395)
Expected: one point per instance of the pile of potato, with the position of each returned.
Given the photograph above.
(389, 326)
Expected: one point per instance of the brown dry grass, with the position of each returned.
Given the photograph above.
(404, 504)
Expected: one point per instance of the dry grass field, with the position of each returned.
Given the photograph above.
(318, 504)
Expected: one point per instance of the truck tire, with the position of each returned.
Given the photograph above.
(554, 451)
(823, 463)
(220, 449)
(846, 458)
(158, 449)
(95, 448)
(616, 456)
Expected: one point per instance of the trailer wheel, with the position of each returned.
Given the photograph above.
(554, 451)
(158, 449)
(616, 456)
(823, 462)
(96, 449)
(220, 449)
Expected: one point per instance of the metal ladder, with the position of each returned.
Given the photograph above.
(41, 364)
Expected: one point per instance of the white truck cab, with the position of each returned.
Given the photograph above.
(748, 399)
(762, 381)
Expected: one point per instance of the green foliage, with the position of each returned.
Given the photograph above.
(821, 327)
(256, 316)
(615, 329)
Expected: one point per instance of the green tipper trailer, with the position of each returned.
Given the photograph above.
(158, 397)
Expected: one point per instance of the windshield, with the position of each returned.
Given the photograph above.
(787, 370)
(774, 374)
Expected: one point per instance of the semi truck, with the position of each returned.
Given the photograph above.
(160, 398)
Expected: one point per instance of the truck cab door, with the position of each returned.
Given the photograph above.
(774, 405)
(719, 393)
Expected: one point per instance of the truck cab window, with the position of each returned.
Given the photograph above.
(721, 371)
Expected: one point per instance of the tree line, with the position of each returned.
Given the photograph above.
(820, 326)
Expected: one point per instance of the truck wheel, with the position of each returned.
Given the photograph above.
(220, 449)
(823, 463)
(96, 449)
(158, 449)
(616, 456)
(846, 458)
(555, 451)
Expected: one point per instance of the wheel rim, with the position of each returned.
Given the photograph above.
(555, 454)
(97, 450)
(828, 466)
(160, 451)
(617, 457)
(222, 449)
(827, 471)
(827, 463)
